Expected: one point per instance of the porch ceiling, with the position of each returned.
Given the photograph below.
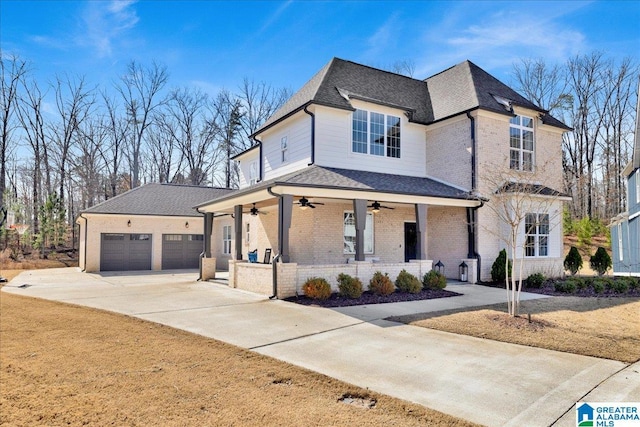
(332, 183)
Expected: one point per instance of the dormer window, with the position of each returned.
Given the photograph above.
(521, 141)
(376, 134)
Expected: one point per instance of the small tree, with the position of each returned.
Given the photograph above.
(501, 267)
(601, 261)
(573, 261)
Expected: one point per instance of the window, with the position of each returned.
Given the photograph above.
(173, 237)
(620, 248)
(376, 134)
(248, 233)
(253, 173)
(521, 143)
(638, 186)
(283, 148)
(196, 237)
(139, 236)
(350, 233)
(537, 235)
(226, 240)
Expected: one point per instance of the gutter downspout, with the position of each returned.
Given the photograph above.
(472, 213)
(313, 135)
(260, 160)
(274, 265)
(86, 229)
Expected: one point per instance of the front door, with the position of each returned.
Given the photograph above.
(410, 240)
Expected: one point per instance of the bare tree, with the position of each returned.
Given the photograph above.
(140, 90)
(73, 103)
(32, 122)
(259, 101)
(544, 85)
(13, 70)
(112, 151)
(87, 164)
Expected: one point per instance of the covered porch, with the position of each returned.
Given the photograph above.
(321, 222)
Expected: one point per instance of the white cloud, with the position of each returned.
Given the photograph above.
(105, 22)
(383, 39)
(271, 19)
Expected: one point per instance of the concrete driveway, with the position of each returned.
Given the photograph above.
(488, 382)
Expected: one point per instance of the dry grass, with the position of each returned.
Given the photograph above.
(601, 327)
(69, 365)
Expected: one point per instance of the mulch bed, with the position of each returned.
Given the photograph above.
(548, 288)
(335, 300)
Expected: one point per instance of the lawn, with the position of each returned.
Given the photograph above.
(601, 327)
(68, 365)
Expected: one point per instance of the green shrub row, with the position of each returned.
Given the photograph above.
(380, 284)
(598, 284)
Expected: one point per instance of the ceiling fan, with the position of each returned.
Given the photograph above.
(305, 203)
(377, 206)
(254, 211)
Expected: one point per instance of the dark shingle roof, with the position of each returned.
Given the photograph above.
(159, 199)
(458, 89)
(345, 179)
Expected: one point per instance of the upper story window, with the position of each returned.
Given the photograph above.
(253, 172)
(521, 141)
(638, 186)
(283, 148)
(376, 134)
(536, 235)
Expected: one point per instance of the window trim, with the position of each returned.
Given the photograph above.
(370, 231)
(637, 174)
(364, 129)
(620, 243)
(226, 240)
(521, 150)
(253, 172)
(537, 235)
(284, 145)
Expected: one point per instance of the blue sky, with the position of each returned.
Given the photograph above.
(215, 44)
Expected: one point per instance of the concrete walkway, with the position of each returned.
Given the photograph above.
(488, 382)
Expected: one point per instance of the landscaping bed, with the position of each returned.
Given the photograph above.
(335, 300)
(579, 286)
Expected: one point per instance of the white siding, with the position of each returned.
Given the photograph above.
(333, 143)
(297, 129)
(245, 167)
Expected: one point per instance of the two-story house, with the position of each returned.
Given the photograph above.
(364, 170)
(625, 228)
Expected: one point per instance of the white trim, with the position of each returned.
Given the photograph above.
(634, 215)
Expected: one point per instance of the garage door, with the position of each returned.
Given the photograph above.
(121, 252)
(181, 251)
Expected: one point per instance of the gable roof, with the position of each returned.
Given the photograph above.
(461, 88)
(159, 200)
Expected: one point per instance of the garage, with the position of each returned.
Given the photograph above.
(125, 251)
(181, 250)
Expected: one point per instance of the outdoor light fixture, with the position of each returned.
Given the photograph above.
(129, 223)
(439, 267)
(376, 207)
(463, 269)
(186, 224)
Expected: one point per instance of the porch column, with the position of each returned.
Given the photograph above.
(421, 231)
(285, 207)
(360, 216)
(208, 230)
(207, 263)
(237, 215)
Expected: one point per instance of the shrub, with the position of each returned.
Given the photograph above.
(567, 287)
(350, 287)
(434, 280)
(633, 283)
(380, 284)
(497, 269)
(619, 286)
(317, 288)
(598, 286)
(407, 282)
(601, 261)
(578, 282)
(573, 261)
(535, 280)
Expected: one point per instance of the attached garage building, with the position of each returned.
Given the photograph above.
(152, 227)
